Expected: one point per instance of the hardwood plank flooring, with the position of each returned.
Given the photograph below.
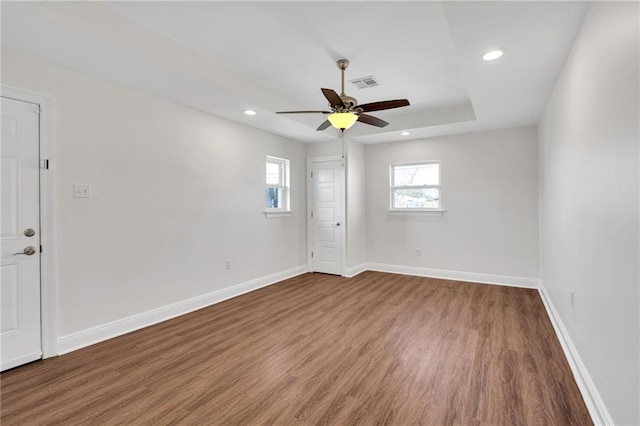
(318, 350)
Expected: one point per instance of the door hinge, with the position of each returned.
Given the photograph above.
(311, 175)
(40, 249)
(311, 254)
(44, 164)
(311, 215)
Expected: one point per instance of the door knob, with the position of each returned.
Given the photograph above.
(29, 232)
(29, 250)
(338, 224)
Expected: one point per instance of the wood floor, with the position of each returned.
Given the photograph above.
(318, 349)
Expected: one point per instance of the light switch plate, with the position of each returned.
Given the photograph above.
(81, 191)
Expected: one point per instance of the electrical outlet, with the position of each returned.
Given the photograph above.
(228, 264)
(573, 297)
(81, 191)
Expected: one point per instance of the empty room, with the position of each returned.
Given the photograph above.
(320, 213)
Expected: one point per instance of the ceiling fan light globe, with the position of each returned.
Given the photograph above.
(342, 120)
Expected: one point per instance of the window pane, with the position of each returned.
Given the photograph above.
(273, 199)
(417, 174)
(274, 174)
(425, 198)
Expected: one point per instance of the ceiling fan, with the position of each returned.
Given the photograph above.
(345, 110)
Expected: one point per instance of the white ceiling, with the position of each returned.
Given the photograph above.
(225, 57)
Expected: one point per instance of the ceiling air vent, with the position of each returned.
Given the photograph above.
(365, 82)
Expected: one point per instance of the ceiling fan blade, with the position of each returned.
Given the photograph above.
(324, 125)
(379, 106)
(303, 112)
(334, 99)
(370, 119)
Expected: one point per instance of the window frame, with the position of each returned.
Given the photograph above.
(282, 187)
(392, 187)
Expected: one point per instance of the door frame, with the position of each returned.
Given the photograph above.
(343, 229)
(48, 231)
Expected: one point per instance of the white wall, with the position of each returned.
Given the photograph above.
(324, 149)
(356, 205)
(489, 192)
(589, 215)
(176, 192)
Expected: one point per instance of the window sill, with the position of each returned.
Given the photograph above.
(424, 212)
(277, 213)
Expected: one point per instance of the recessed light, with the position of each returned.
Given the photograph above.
(249, 112)
(405, 134)
(492, 55)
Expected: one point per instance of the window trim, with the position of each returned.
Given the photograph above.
(283, 188)
(394, 209)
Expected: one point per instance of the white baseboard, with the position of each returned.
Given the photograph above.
(595, 405)
(93, 335)
(355, 270)
(590, 394)
(456, 275)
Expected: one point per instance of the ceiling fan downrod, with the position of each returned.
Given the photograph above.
(342, 64)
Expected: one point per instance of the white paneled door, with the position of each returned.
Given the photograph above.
(20, 233)
(326, 216)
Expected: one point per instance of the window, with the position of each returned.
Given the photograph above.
(415, 186)
(277, 197)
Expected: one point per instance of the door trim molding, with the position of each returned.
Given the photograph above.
(48, 233)
(343, 228)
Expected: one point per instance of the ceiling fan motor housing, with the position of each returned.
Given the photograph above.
(349, 101)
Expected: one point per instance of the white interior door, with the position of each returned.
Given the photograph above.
(20, 233)
(327, 210)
